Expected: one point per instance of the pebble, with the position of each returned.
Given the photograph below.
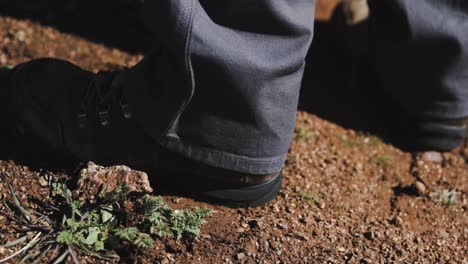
(206, 236)
(432, 156)
(282, 226)
(443, 233)
(420, 188)
(43, 182)
(366, 260)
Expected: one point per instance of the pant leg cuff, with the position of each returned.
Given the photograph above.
(228, 161)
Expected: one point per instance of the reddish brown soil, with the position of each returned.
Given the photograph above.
(348, 197)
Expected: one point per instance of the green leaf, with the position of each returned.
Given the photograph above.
(71, 223)
(65, 237)
(62, 190)
(76, 206)
(93, 236)
(128, 234)
(106, 213)
(99, 245)
(143, 241)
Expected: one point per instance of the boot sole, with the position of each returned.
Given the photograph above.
(245, 197)
(205, 190)
(436, 136)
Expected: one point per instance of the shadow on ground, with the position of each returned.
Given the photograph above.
(115, 23)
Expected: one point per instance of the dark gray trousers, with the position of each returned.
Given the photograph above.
(223, 84)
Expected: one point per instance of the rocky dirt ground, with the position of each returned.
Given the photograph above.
(348, 197)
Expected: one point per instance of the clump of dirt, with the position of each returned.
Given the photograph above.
(347, 196)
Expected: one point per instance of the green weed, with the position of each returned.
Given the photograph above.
(302, 134)
(445, 197)
(310, 197)
(350, 142)
(383, 159)
(70, 227)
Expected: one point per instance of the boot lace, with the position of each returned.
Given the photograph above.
(105, 91)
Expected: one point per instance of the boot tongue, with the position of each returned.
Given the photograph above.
(100, 93)
(100, 88)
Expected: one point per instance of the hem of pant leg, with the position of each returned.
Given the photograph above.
(444, 111)
(225, 160)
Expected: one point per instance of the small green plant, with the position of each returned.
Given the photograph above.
(350, 142)
(72, 227)
(375, 140)
(301, 134)
(337, 207)
(163, 221)
(310, 197)
(383, 159)
(445, 197)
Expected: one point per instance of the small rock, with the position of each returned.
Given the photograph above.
(465, 152)
(398, 221)
(366, 261)
(282, 226)
(420, 188)
(443, 233)
(359, 166)
(2, 250)
(21, 35)
(240, 256)
(43, 182)
(432, 156)
(301, 236)
(94, 178)
(206, 236)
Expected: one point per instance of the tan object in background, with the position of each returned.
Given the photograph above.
(325, 8)
(355, 11)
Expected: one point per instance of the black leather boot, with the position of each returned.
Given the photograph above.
(82, 116)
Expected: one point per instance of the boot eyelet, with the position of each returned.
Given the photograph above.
(82, 120)
(104, 118)
(127, 113)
